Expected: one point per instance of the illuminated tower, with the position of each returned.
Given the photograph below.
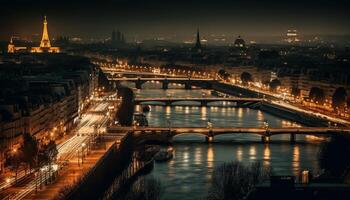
(11, 47)
(45, 40)
(45, 45)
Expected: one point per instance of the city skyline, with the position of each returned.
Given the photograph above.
(140, 20)
(174, 99)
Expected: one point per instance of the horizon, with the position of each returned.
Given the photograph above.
(155, 18)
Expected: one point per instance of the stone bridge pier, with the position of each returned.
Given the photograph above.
(165, 84)
(188, 85)
(138, 83)
(210, 137)
(266, 138)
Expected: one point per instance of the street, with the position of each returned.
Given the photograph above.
(68, 151)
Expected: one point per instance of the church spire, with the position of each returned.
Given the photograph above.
(11, 47)
(198, 46)
(198, 41)
(45, 40)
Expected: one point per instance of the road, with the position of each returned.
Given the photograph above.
(67, 150)
(298, 108)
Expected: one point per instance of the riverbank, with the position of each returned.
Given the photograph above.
(272, 108)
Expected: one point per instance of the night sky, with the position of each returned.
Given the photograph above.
(154, 18)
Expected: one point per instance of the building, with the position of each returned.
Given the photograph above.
(239, 43)
(44, 101)
(292, 36)
(11, 48)
(117, 38)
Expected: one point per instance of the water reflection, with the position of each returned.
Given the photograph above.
(260, 116)
(197, 156)
(239, 153)
(267, 154)
(252, 153)
(168, 110)
(203, 113)
(296, 157)
(240, 113)
(187, 110)
(210, 156)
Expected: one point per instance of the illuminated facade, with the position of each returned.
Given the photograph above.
(11, 48)
(45, 45)
(292, 36)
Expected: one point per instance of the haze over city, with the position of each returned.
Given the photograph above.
(158, 18)
(174, 100)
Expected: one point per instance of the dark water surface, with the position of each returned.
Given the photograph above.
(188, 174)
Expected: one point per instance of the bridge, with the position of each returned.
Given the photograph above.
(121, 73)
(188, 82)
(166, 133)
(202, 100)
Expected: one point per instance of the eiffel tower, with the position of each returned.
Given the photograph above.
(45, 40)
(45, 45)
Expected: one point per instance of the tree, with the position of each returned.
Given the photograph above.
(246, 77)
(295, 91)
(3, 148)
(145, 189)
(224, 75)
(339, 98)
(103, 81)
(274, 84)
(317, 95)
(235, 180)
(48, 153)
(15, 161)
(29, 150)
(48, 156)
(329, 156)
(126, 110)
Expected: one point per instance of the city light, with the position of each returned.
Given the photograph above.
(219, 100)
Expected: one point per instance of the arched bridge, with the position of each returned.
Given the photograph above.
(188, 82)
(166, 133)
(204, 101)
(114, 73)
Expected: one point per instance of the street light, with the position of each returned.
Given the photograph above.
(266, 125)
(82, 152)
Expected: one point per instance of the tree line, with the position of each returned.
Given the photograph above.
(32, 155)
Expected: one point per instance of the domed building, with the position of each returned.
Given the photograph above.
(239, 42)
(238, 53)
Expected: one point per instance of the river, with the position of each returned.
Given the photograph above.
(188, 174)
